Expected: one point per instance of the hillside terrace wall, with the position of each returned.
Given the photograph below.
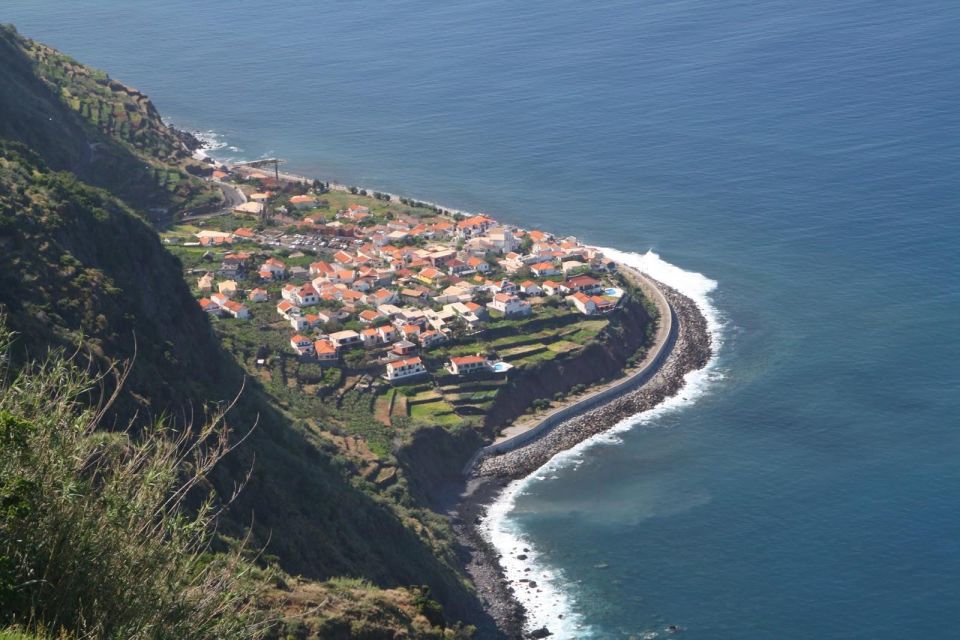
(666, 338)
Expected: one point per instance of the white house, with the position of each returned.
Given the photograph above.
(306, 296)
(325, 351)
(258, 295)
(530, 288)
(478, 264)
(346, 338)
(237, 310)
(584, 283)
(544, 269)
(370, 337)
(406, 368)
(463, 365)
(287, 309)
(387, 333)
(583, 303)
(502, 239)
(465, 312)
(509, 305)
(210, 306)
(552, 288)
(250, 208)
(301, 344)
(303, 202)
(431, 338)
(274, 267)
(227, 287)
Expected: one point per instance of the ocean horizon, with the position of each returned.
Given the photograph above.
(792, 168)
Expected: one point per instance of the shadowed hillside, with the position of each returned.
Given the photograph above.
(82, 269)
(80, 120)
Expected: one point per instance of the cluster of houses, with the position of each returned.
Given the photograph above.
(406, 284)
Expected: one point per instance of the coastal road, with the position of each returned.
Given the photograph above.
(515, 434)
(232, 197)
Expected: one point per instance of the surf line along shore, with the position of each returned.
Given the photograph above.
(682, 344)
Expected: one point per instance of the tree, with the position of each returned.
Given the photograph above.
(482, 297)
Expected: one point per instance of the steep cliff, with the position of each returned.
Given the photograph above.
(82, 269)
(78, 119)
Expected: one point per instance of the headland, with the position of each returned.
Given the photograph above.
(411, 273)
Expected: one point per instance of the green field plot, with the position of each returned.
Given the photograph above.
(437, 412)
(521, 352)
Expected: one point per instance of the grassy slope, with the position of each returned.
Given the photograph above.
(78, 266)
(78, 119)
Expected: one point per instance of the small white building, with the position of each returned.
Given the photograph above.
(406, 368)
(227, 287)
(205, 282)
(237, 310)
(301, 344)
(258, 295)
(509, 305)
(249, 208)
(530, 288)
(345, 339)
(370, 337)
(325, 351)
(583, 303)
(464, 365)
(431, 338)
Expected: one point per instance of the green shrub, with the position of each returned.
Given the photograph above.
(96, 538)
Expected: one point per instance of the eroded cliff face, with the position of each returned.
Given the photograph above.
(604, 359)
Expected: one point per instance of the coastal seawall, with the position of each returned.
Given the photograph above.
(683, 344)
(663, 343)
(687, 349)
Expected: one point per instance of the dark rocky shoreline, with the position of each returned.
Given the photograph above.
(490, 475)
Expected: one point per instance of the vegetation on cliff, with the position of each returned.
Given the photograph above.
(96, 537)
(78, 119)
(85, 165)
(109, 534)
(82, 271)
(65, 281)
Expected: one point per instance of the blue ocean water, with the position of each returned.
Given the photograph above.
(804, 156)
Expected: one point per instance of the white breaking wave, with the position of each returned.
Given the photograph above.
(213, 142)
(551, 603)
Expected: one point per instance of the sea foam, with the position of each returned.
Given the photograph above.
(552, 603)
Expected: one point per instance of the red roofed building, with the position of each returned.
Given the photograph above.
(325, 351)
(404, 369)
(301, 344)
(463, 365)
(237, 310)
(584, 283)
(209, 306)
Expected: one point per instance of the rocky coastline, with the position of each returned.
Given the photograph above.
(491, 474)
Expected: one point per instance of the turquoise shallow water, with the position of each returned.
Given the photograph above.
(801, 155)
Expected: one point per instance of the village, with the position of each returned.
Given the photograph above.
(322, 291)
(395, 284)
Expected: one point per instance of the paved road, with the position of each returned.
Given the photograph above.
(232, 197)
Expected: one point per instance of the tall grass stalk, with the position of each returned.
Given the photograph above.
(107, 534)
